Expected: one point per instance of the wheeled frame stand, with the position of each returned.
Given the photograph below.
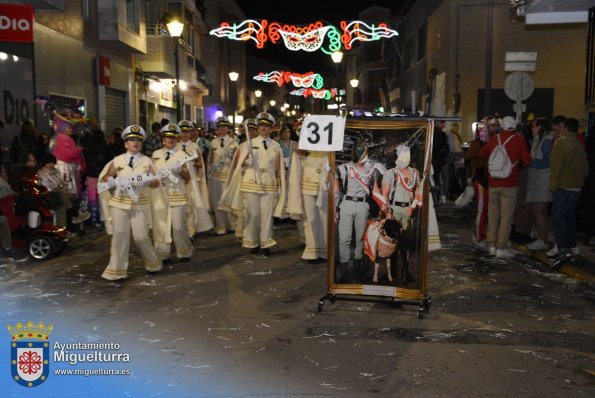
(422, 310)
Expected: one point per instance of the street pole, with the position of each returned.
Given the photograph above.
(178, 118)
(234, 104)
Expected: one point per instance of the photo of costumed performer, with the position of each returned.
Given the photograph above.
(260, 190)
(308, 200)
(221, 154)
(126, 202)
(356, 182)
(402, 195)
(171, 166)
(251, 129)
(199, 219)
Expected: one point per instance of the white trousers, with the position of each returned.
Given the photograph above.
(223, 220)
(179, 234)
(315, 229)
(123, 221)
(258, 220)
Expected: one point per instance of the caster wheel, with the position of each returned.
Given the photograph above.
(333, 299)
(420, 313)
(320, 306)
(428, 305)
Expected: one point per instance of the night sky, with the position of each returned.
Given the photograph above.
(304, 12)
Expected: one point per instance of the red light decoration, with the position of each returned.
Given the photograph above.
(311, 37)
(307, 80)
(324, 93)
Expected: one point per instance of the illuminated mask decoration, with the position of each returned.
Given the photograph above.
(312, 37)
(309, 41)
(309, 79)
(324, 93)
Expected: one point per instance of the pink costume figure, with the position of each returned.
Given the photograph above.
(67, 153)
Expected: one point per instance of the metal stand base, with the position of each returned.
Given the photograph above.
(424, 305)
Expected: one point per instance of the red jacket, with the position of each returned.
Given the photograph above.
(517, 151)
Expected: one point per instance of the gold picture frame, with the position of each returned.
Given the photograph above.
(380, 137)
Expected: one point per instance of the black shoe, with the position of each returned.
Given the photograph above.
(255, 250)
(184, 260)
(562, 259)
(231, 231)
(195, 236)
(152, 272)
(265, 252)
(166, 261)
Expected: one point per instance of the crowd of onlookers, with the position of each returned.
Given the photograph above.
(551, 184)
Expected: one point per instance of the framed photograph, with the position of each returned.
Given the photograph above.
(381, 208)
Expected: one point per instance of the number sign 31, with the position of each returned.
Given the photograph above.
(322, 133)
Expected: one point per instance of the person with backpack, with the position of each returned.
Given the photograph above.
(505, 152)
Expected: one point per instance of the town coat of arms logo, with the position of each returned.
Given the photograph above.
(30, 353)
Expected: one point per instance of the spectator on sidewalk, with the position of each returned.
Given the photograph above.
(155, 140)
(448, 170)
(569, 169)
(503, 191)
(538, 187)
(6, 242)
(439, 154)
(96, 153)
(479, 177)
(523, 219)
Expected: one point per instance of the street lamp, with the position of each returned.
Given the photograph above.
(233, 76)
(258, 94)
(175, 29)
(273, 103)
(354, 82)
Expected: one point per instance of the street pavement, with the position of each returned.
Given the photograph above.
(233, 324)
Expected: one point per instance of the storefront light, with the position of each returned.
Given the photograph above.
(3, 56)
(15, 58)
(183, 85)
(218, 114)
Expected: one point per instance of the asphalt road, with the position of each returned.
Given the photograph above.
(232, 324)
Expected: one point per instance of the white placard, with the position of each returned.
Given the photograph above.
(322, 133)
(374, 290)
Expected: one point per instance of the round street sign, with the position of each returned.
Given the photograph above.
(519, 84)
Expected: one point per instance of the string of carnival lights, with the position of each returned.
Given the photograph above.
(310, 38)
(309, 79)
(324, 93)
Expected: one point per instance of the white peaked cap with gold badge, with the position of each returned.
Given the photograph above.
(133, 131)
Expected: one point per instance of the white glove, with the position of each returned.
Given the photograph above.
(111, 182)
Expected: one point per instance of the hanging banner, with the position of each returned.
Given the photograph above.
(16, 23)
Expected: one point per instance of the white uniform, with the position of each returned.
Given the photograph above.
(126, 215)
(308, 198)
(260, 190)
(221, 155)
(177, 198)
(199, 219)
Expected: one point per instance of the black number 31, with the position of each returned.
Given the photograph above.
(314, 137)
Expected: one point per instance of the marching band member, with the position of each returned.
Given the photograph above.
(199, 219)
(308, 199)
(251, 128)
(223, 148)
(258, 184)
(129, 207)
(176, 193)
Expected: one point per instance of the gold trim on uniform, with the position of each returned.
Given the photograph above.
(257, 188)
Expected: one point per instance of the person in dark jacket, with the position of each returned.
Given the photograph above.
(28, 141)
(96, 154)
(440, 152)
